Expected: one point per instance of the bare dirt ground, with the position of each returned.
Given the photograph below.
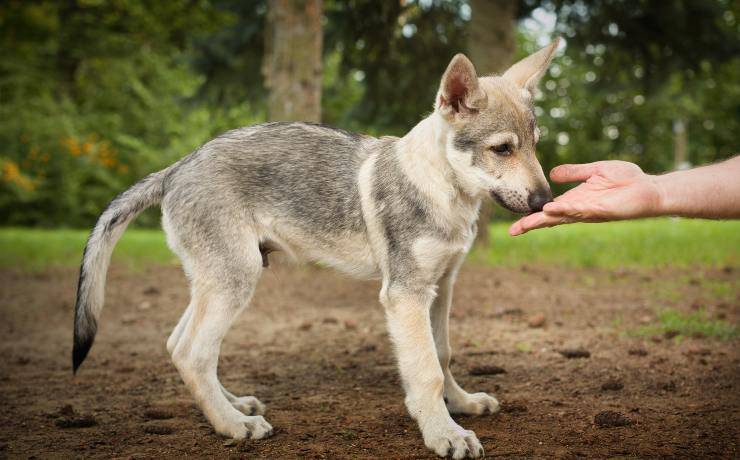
(313, 347)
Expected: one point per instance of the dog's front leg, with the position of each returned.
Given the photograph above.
(407, 310)
(458, 400)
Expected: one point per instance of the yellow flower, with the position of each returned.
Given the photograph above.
(11, 172)
(72, 145)
(108, 162)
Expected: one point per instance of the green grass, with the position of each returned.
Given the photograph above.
(36, 249)
(645, 243)
(695, 324)
(648, 243)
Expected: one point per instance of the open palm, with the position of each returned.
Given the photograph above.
(612, 190)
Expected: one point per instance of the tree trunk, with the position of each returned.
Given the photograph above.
(492, 35)
(292, 61)
(492, 44)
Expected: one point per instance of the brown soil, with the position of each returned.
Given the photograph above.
(313, 347)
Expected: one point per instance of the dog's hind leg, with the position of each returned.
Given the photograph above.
(248, 405)
(223, 282)
(458, 400)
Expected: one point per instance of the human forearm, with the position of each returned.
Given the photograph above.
(711, 192)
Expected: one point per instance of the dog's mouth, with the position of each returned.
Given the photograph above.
(495, 195)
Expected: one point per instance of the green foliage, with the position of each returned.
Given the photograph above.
(696, 324)
(96, 94)
(646, 243)
(399, 51)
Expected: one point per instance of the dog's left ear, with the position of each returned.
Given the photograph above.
(460, 95)
(527, 72)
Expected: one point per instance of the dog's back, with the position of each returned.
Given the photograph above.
(297, 183)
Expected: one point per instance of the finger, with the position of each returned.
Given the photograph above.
(574, 172)
(534, 221)
(516, 228)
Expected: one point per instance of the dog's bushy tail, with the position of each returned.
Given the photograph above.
(108, 229)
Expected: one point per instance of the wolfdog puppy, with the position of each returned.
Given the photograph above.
(402, 210)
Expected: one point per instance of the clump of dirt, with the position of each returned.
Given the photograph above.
(669, 334)
(240, 445)
(159, 429)
(487, 370)
(158, 414)
(669, 386)
(67, 417)
(610, 419)
(514, 408)
(76, 421)
(574, 353)
(637, 352)
(612, 385)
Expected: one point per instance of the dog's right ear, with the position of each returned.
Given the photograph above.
(460, 95)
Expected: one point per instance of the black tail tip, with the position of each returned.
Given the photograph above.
(80, 350)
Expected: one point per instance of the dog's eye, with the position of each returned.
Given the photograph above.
(502, 149)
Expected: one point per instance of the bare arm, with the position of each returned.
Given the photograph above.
(617, 190)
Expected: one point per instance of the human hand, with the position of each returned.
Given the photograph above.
(612, 190)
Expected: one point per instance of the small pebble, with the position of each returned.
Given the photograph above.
(537, 320)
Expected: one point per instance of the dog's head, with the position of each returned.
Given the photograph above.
(493, 131)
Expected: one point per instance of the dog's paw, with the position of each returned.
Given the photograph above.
(258, 427)
(451, 440)
(473, 404)
(245, 426)
(248, 405)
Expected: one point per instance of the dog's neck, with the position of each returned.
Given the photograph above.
(422, 156)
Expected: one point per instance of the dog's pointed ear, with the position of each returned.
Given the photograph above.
(460, 94)
(527, 72)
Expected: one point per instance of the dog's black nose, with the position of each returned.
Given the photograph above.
(538, 199)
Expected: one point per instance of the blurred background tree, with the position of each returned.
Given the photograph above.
(95, 94)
